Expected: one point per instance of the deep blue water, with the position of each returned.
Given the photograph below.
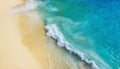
(91, 26)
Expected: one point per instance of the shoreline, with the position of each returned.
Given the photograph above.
(53, 32)
(24, 44)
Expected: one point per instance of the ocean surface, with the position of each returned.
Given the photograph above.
(87, 28)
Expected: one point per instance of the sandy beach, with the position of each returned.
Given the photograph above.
(13, 55)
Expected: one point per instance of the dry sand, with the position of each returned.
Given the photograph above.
(13, 55)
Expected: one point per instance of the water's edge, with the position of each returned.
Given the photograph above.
(53, 31)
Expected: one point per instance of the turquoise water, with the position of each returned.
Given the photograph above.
(91, 27)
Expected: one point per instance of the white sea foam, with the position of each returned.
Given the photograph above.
(53, 31)
(49, 7)
(29, 5)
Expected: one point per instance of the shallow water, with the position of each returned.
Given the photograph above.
(90, 26)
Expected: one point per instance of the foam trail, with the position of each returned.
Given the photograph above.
(29, 5)
(53, 31)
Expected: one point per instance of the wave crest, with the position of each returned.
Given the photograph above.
(53, 31)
